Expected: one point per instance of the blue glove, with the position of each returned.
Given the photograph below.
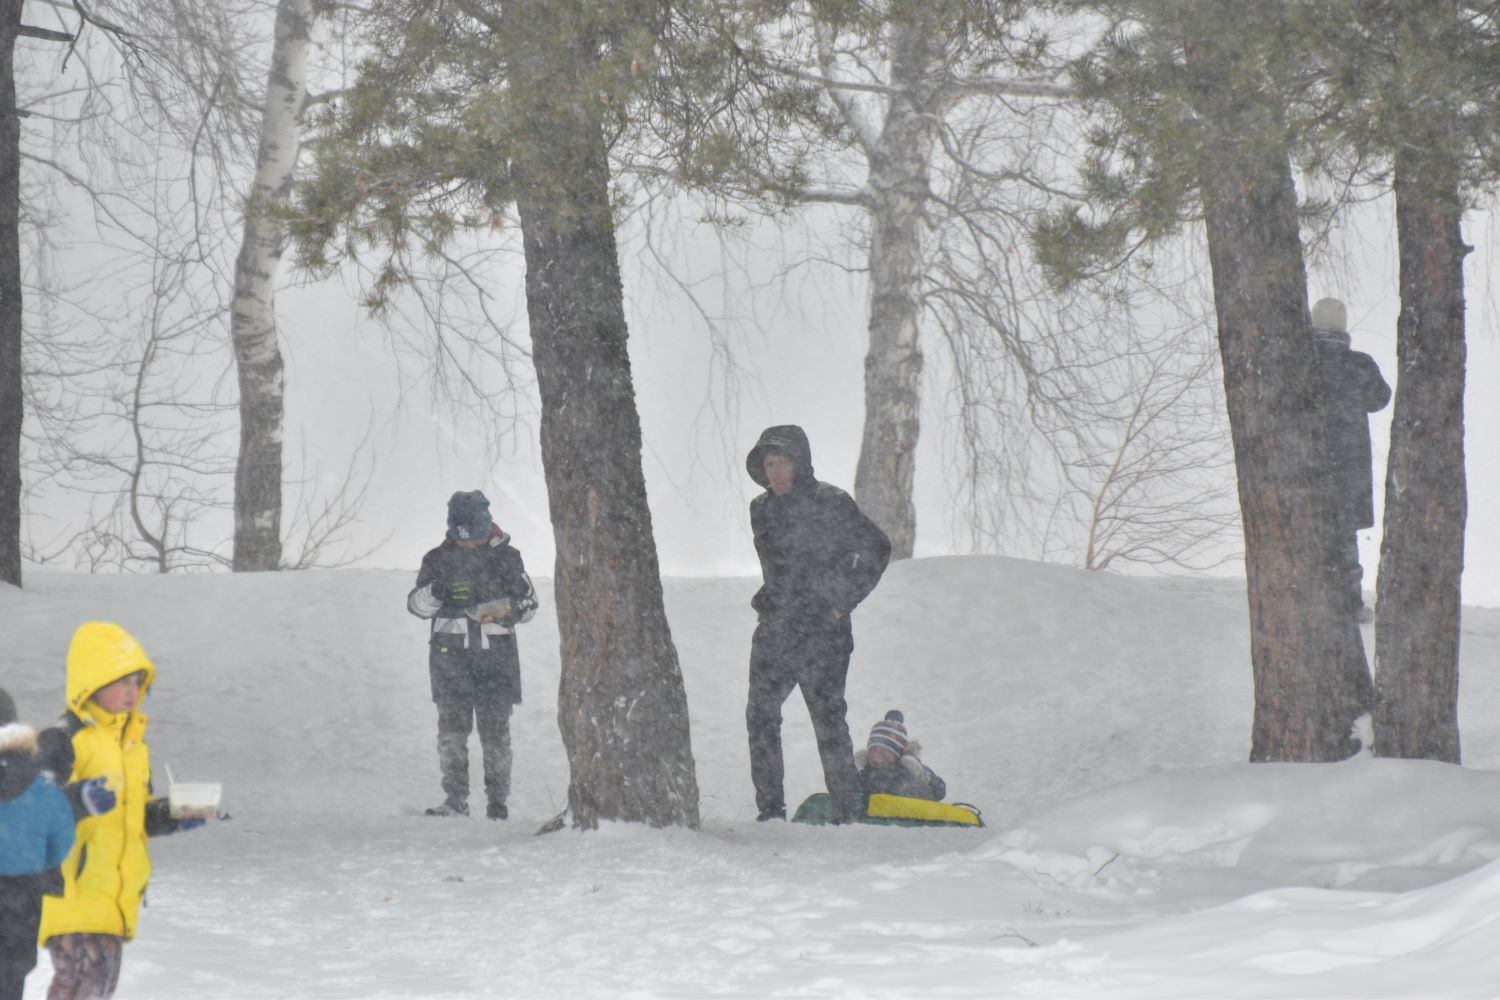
(184, 825)
(95, 796)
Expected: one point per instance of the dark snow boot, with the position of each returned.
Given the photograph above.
(771, 812)
(497, 810)
(450, 808)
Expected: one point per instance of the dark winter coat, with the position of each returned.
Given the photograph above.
(469, 661)
(1352, 389)
(819, 555)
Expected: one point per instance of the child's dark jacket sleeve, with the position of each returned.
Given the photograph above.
(60, 827)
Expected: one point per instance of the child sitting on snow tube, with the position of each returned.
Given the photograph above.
(889, 765)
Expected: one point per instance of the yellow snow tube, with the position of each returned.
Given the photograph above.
(901, 807)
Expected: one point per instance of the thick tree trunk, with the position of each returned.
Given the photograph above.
(622, 707)
(898, 182)
(252, 322)
(1422, 549)
(12, 407)
(1311, 679)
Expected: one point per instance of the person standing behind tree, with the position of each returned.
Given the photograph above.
(475, 590)
(819, 557)
(1352, 389)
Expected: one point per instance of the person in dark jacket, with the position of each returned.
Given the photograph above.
(890, 763)
(475, 590)
(36, 832)
(1352, 389)
(819, 557)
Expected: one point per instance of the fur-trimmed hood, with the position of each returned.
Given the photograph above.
(19, 765)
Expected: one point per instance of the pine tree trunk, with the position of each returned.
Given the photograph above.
(252, 323)
(12, 406)
(898, 182)
(1311, 679)
(622, 707)
(1418, 603)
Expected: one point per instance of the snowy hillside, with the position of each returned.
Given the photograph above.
(1099, 721)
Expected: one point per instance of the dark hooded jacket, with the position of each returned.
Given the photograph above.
(1352, 389)
(468, 659)
(819, 556)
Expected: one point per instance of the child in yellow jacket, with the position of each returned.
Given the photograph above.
(102, 735)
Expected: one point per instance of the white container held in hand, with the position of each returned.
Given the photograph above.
(192, 799)
(490, 611)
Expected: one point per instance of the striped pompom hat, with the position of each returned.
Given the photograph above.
(890, 733)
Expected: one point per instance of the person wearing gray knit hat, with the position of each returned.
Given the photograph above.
(889, 765)
(888, 739)
(1353, 388)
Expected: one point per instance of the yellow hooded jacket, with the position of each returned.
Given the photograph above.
(105, 873)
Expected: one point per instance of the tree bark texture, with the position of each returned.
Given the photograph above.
(1418, 604)
(622, 707)
(898, 191)
(12, 406)
(252, 322)
(1311, 678)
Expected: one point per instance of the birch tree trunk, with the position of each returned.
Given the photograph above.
(1418, 606)
(1311, 679)
(252, 323)
(898, 192)
(12, 406)
(622, 707)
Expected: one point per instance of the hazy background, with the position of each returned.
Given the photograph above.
(797, 337)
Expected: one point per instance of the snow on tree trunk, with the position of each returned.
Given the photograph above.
(898, 191)
(622, 707)
(252, 323)
(1422, 549)
(1311, 679)
(12, 407)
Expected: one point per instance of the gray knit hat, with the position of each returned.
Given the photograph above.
(889, 732)
(1330, 321)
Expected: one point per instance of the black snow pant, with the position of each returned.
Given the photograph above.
(475, 688)
(20, 915)
(815, 657)
(455, 721)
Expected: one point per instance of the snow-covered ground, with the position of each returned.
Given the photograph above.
(1099, 721)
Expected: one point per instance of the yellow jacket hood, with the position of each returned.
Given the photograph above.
(100, 654)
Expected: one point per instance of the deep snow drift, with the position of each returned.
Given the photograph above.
(1098, 720)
